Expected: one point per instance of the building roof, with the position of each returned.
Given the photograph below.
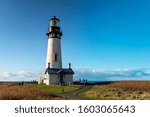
(59, 71)
(54, 18)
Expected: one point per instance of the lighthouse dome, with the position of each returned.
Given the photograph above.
(54, 21)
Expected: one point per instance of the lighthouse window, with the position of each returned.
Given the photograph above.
(55, 57)
(54, 23)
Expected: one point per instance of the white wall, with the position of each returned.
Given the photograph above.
(47, 79)
(54, 46)
(39, 79)
(68, 78)
(54, 79)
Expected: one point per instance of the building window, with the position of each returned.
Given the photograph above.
(56, 57)
(54, 23)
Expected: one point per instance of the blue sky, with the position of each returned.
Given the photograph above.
(101, 35)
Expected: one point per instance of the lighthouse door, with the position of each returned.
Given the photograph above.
(61, 78)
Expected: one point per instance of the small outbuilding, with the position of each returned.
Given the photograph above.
(57, 76)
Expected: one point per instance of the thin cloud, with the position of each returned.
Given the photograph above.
(20, 76)
(90, 74)
(118, 74)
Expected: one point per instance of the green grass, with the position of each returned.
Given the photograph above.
(104, 92)
(54, 88)
(129, 90)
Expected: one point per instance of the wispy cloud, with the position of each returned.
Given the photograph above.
(90, 74)
(118, 74)
(20, 76)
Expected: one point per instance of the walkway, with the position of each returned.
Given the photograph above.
(74, 94)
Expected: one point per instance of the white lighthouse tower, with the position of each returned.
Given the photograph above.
(54, 73)
(54, 45)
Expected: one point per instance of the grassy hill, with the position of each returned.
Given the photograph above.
(24, 93)
(124, 90)
(29, 91)
(54, 88)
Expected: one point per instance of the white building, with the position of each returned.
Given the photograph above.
(54, 72)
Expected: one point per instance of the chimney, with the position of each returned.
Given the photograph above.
(48, 65)
(69, 65)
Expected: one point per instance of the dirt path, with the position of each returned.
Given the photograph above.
(74, 94)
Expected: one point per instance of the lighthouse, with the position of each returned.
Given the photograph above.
(54, 44)
(54, 73)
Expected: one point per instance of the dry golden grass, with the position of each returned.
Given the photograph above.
(24, 93)
(127, 90)
(7, 83)
(132, 85)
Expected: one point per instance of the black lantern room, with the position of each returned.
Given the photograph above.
(54, 29)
